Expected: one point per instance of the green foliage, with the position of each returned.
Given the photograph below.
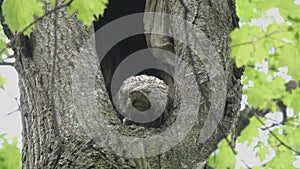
(88, 10)
(276, 44)
(247, 45)
(263, 151)
(52, 2)
(223, 157)
(20, 13)
(10, 156)
(264, 91)
(284, 158)
(251, 132)
(3, 40)
(252, 44)
(292, 99)
(2, 81)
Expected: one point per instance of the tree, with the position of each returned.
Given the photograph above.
(52, 62)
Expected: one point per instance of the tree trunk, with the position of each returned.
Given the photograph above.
(66, 123)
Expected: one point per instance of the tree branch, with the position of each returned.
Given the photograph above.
(276, 137)
(6, 64)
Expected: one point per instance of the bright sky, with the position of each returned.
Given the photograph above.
(10, 124)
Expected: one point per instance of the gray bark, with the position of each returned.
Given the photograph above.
(53, 136)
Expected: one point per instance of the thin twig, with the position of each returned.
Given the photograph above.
(256, 40)
(15, 98)
(6, 64)
(276, 137)
(10, 57)
(261, 38)
(15, 111)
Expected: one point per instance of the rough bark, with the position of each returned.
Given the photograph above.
(216, 19)
(53, 136)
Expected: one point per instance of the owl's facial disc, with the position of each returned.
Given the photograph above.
(139, 100)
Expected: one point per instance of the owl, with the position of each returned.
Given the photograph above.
(143, 100)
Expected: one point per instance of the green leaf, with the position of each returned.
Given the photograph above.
(292, 100)
(2, 81)
(20, 13)
(264, 5)
(272, 140)
(245, 10)
(290, 56)
(288, 9)
(283, 159)
(248, 45)
(263, 151)
(223, 157)
(250, 132)
(262, 94)
(3, 40)
(88, 10)
(10, 156)
(292, 135)
(52, 2)
(249, 9)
